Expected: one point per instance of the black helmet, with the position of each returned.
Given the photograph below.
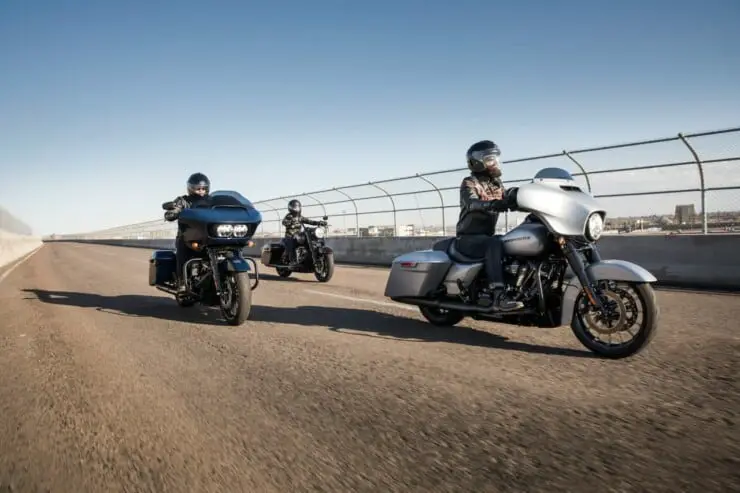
(483, 157)
(198, 182)
(294, 206)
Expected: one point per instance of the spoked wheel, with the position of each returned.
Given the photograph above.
(441, 316)
(630, 326)
(324, 269)
(236, 298)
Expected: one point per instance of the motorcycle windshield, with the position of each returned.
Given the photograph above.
(553, 174)
(223, 206)
(557, 200)
(223, 198)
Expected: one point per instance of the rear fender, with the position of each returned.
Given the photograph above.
(611, 270)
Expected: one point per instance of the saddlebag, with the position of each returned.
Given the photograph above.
(162, 267)
(271, 253)
(417, 274)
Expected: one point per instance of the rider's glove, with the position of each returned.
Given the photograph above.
(511, 196)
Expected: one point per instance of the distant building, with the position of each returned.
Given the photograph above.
(685, 214)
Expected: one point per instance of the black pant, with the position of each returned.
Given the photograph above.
(182, 254)
(290, 243)
(490, 247)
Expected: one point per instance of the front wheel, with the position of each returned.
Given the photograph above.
(236, 298)
(441, 316)
(634, 315)
(324, 269)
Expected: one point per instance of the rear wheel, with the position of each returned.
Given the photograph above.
(236, 298)
(283, 272)
(441, 316)
(632, 324)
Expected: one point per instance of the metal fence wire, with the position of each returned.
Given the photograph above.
(688, 157)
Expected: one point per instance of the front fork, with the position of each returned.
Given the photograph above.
(579, 268)
(213, 256)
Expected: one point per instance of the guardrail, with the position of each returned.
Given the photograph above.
(12, 224)
(684, 157)
(678, 260)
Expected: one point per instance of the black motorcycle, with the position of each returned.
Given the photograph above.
(312, 254)
(216, 229)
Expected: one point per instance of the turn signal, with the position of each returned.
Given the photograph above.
(250, 244)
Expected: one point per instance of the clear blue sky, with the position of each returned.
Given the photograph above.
(106, 107)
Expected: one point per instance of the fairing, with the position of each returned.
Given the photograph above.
(558, 201)
(221, 207)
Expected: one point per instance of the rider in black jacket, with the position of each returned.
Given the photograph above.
(198, 187)
(292, 222)
(482, 198)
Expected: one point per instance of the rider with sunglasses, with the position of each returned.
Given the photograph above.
(198, 187)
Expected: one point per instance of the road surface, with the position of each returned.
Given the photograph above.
(106, 385)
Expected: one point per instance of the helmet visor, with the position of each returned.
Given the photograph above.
(489, 157)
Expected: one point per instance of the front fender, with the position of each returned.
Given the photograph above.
(237, 263)
(612, 270)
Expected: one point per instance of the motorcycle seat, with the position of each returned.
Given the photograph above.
(448, 246)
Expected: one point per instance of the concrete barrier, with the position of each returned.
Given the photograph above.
(14, 246)
(697, 261)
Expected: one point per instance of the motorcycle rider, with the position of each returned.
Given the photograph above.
(482, 198)
(198, 188)
(292, 222)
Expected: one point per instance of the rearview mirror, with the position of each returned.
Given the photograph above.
(168, 206)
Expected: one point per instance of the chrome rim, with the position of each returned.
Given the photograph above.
(627, 316)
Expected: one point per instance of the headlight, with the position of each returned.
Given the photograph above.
(224, 230)
(240, 230)
(594, 226)
(319, 232)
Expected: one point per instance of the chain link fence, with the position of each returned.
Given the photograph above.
(11, 224)
(685, 184)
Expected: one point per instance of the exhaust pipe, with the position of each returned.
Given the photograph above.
(446, 305)
(462, 307)
(166, 290)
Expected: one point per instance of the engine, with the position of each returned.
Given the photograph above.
(521, 276)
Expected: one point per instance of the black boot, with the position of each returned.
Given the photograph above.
(502, 300)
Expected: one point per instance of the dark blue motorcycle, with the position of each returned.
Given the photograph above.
(216, 229)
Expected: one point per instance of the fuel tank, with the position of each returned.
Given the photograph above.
(526, 240)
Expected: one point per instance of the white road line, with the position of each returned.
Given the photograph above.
(19, 263)
(363, 300)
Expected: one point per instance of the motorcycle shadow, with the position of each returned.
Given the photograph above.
(292, 278)
(368, 323)
(131, 305)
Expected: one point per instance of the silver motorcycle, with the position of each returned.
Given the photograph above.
(551, 265)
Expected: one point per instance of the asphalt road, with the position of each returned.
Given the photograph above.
(107, 385)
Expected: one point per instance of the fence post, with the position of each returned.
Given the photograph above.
(441, 201)
(704, 216)
(393, 204)
(583, 170)
(354, 204)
